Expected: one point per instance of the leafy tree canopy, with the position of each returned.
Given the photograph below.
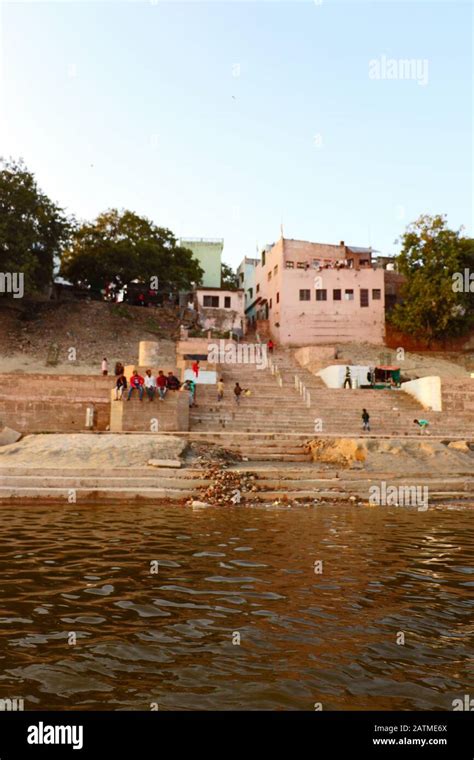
(33, 229)
(432, 256)
(228, 277)
(120, 247)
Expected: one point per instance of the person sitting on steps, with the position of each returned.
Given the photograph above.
(161, 385)
(120, 387)
(136, 384)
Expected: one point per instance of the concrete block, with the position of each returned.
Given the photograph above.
(164, 463)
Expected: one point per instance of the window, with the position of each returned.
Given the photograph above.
(305, 295)
(321, 294)
(226, 302)
(376, 294)
(263, 258)
(290, 264)
(250, 292)
(269, 276)
(270, 303)
(241, 275)
(275, 270)
(336, 294)
(258, 288)
(348, 295)
(364, 297)
(278, 298)
(211, 301)
(301, 265)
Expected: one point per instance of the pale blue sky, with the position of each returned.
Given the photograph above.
(138, 105)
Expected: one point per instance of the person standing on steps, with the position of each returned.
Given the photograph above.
(220, 390)
(196, 368)
(348, 378)
(105, 366)
(270, 346)
(365, 420)
(237, 393)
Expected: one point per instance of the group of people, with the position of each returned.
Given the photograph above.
(238, 391)
(152, 386)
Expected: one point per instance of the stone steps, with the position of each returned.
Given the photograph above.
(296, 480)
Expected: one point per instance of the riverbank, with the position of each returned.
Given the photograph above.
(115, 468)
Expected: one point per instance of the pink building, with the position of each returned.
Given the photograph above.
(312, 293)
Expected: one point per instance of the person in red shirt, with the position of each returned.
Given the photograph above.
(270, 346)
(161, 385)
(196, 368)
(136, 383)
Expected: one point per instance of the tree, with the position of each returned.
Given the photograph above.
(33, 229)
(120, 247)
(228, 278)
(431, 258)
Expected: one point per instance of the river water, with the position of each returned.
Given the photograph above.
(170, 639)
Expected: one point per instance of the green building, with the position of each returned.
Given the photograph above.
(208, 251)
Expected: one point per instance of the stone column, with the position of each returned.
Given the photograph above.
(148, 353)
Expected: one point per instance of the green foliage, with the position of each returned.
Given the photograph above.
(121, 247)
(431, 254)
(228, 278)
(33, 229)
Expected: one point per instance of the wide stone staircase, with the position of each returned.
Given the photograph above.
(392, 411)
(277, 405)
(283, 482)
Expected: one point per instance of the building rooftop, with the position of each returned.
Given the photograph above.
(201, 240)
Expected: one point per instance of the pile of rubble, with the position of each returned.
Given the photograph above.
(227, 487)
(203, 454)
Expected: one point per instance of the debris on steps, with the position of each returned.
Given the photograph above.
(227, 487)
(203, 454)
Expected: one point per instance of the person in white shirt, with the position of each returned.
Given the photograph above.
(105, 366)
(150, 384)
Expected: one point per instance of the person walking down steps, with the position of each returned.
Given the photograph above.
(365, 420)
(237, 393)
(348, 378)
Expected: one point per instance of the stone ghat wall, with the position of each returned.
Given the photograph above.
(156, 416)
(58, 404)
(51, 415)
(44, 386)
(458, 396)
(54, 403)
